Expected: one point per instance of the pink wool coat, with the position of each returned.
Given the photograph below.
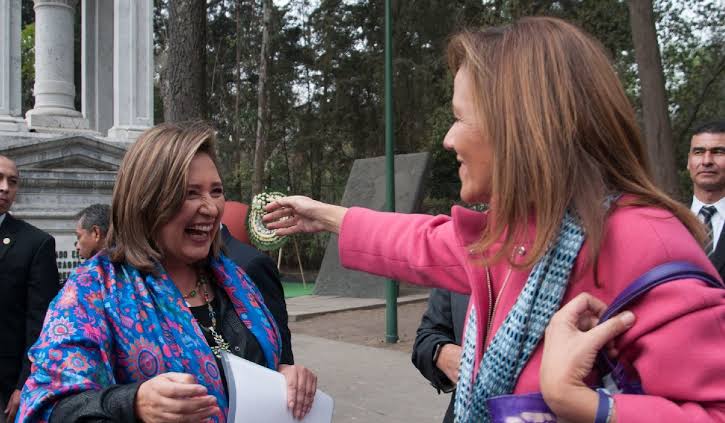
(677, 344)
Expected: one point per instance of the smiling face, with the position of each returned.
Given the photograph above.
(188, 236)
(8, 183)
(706, 164)
(466, 139)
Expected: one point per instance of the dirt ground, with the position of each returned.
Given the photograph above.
(364, 327)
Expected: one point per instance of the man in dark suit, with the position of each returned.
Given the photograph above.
(437, 348)
(263, 272)
(706, 164)
(28, 282)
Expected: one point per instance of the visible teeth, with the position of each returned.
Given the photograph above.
(202, 228)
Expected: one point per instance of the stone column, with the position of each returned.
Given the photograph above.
(97, 64)
(133, 61)
(54, 89)
(10, 114)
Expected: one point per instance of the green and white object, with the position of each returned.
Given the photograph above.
(263, 238)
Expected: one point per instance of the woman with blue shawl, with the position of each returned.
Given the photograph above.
(137, 331)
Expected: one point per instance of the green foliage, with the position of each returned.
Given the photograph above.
(326, 95)
(692, 40)
(326, 84)
(27, 64)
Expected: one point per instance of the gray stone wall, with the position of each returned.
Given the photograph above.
(59, 176)
(366, 188)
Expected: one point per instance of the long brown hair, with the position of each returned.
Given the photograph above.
(150, 189)
(564, 134)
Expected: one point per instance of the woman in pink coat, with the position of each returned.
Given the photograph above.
(544, 134)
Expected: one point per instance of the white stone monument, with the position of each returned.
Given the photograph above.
(10, 115)
(68, 158)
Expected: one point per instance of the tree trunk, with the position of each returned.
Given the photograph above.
(262, 114)
(657, 129)
(238, 66)
(184, 88)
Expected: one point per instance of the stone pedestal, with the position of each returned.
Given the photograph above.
(10, 114)
(133, 101)
(366, 187)
(54, 89)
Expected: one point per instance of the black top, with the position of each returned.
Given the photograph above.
(247, 343)
(203, 319)
(263, 271)
(116, 402)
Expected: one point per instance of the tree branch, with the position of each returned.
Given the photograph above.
(701, 98)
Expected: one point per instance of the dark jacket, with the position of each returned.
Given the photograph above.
(718, 256)
(263, 272)
(28, 282)
(442, 323)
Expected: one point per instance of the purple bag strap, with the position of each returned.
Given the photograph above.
(668, 272)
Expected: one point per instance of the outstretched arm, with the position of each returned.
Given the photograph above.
(298, 214)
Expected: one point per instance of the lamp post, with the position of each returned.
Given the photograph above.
(391, 286)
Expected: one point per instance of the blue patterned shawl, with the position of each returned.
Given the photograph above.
(102, 329)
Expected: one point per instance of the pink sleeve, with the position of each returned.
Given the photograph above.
(419, 249)
(677, 346)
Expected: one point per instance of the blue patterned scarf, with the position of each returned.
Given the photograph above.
(112, 325)
(520, 332)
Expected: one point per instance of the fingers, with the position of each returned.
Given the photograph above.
(282, 218)
(607, 331)
(291, 377)
(306, 387)
(13, 404)
(311, 390)
(179, 377)
(284, 202)
(587, 321)
(584, 311)
(300, 400)
(188, 405)
(180, 385)
(187, 418)
(301, 388)
(11, 413)
(174, 397)
(582, 304)
(201, 415)
(274, 205)
(278, 215)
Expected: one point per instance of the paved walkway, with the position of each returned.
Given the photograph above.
(368, 384)
(307, 306)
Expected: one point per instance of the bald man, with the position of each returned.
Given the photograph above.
(28, 282)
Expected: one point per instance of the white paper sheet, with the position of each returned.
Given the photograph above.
(258, 394)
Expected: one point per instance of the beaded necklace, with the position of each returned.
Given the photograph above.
(221, 344)
(194, 291)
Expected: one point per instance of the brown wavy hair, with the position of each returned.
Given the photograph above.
(564, 134)
(150, 189)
